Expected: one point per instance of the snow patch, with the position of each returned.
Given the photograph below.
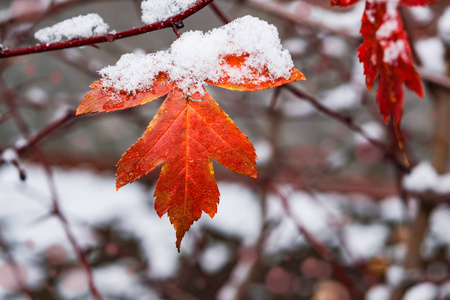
(378, 292)
(421, 14)
(444, 25)
(395, 275)
(365, 241)
(393, 209)
(373, 130)
(387, 29)
(83, 26)
(158, 10)
(424, 178)
(9, 155)
(214, 258)
(422, 291)
(431, 52)
(393, 51)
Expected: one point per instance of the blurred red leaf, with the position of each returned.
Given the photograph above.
(386, 54)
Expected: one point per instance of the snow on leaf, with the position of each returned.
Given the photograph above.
(255, 80)
(190, 128)
(197, 57)
(385, 53)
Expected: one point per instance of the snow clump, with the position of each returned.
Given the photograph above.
(197, 56)
(158, 10)
(83, 26)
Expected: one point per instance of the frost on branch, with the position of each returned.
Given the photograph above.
(77, 27)
(197, 57)
(158, 10)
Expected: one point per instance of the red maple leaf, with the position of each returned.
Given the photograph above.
(188, 130)
(386, 54)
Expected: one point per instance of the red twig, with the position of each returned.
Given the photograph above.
(57, 212)
(109, 37)
(34, 139)
(24, 128)
(219, 13)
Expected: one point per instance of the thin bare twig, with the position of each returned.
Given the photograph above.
(348, 121)
(321, 249)
(24, 128)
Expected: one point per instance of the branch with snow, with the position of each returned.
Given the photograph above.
(108, 37)
(75, 28)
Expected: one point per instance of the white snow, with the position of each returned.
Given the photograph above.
(431, 52)
(424, 178)
(82, 26)
(393, 209)
(9, 155)
(373, 130)
(242, 204)
(334, 46)
(264, 151)
(343, 97)
(346, 21)
(214, 258)
(395, 275)
(295, 46)
(387, 29)
(421, 14)
(313, 214)
(378, 292)
(393, 51)
(393, 48)
(444, 25)
(121, 280)
(391, 7)
(197, 56)
(158, 10)
(37, 95)
(439, 224)
(365, 241)
(422, 291)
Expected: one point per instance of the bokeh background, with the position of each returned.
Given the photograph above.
(328, 218)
